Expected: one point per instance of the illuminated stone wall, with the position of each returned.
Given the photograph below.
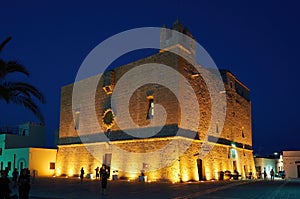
(71, 158)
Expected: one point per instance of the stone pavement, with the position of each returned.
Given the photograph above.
(72, 188)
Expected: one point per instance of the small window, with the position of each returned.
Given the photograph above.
(52, 165)
(150, 109)
(77, 114)
(0, 151)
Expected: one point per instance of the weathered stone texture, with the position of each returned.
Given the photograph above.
(127, 153)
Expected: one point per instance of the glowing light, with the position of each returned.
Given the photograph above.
(70, 173)
(57, 172)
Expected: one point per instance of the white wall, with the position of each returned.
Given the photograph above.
(267, 164)
(15, 156)
(291, 159)
(33, 158)
(40, 159)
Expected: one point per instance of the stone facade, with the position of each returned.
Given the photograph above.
(228, 148)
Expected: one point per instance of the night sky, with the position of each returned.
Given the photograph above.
(257, 40)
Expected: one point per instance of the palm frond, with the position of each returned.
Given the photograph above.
(27, 89)
(4, 43)
(14, 66)
(18, 92)
(11, 67)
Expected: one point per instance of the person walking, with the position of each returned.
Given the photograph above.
(104, 175)
(24, 184)
(272, 174)
(81, 174)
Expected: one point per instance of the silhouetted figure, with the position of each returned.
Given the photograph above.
(272, 174)
(4, 185)
(104, 175)
(97, 172)
(265, 174)
(81, 173)
(15, 175)
(24, 184)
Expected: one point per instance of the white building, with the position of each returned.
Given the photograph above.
(267, 163)
(23, 147)
(291, 161)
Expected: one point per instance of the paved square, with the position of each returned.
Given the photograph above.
(73, 188)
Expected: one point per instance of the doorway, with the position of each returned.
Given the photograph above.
(298, 168)
(200, 169)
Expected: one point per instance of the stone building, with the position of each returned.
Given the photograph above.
(228, 146)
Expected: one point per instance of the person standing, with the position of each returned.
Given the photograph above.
(4, 186)
(272, 174)
(81, 174)
(265, 175)
(104, 175)
(97, 172)
(24, 184)
(15, 175)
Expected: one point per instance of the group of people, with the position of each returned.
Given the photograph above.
(103, 173)
(265, 175)
(21, 181)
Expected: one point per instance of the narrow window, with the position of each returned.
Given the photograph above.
(77, 113)
(233, 153)
(150, 108)
(0, 151)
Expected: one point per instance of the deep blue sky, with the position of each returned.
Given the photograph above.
(257, 40)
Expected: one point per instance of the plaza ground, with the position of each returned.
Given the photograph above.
(73, 188)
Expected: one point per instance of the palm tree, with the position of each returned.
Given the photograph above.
(15, 92)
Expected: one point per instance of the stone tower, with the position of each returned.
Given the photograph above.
(175, 41)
